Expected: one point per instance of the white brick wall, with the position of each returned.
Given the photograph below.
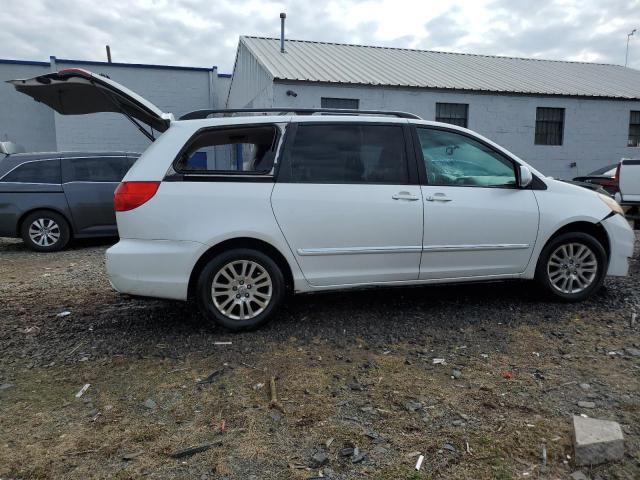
(23, 120)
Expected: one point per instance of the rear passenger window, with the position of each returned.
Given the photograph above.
(40, 171)
(232, 150)
(348, 153)
(98, 169)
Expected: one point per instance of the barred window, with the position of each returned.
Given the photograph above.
(453, 113)
(634, 129)
(348, 103)
(549, 126)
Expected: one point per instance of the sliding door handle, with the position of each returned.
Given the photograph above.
(405, 196)
(438, 197)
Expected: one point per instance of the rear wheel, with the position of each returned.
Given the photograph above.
(45, 231)
(572, 267)
(240, 289)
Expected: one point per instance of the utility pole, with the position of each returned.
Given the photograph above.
(626, 56)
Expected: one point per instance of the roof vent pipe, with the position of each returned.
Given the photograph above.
(282, 17)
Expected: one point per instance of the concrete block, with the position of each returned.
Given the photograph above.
(596, 441)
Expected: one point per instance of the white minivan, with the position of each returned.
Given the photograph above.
(238, 211)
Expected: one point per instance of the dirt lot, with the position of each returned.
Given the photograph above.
(353, 371)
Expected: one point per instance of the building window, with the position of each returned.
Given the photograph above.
(347, 103)
(453, 113)
(549, 126)
(634, 129)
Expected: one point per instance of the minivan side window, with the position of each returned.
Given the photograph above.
(39, 171)
(457, 160)
(233, 150)
(348, 153)
(97, 169)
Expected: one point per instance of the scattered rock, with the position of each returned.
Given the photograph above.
(412, 406)
(451, 448)
(379, 450)
(93, 413)
(456, 373)
(346, 451)
(578, 475)
(585, 404)
(356, 387)
(635, 352)
(596, 441)
(358, 458)
(319, 459)
(458, 423)
(585, 386)
(6, 386)
(150, 404)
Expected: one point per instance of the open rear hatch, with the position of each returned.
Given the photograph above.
(75, 91)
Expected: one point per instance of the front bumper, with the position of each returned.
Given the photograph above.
(621, 240)
(152, 268)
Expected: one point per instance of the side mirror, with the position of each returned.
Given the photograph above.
(526, 177)
(9, 148)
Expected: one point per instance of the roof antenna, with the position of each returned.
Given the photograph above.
(282, 17)
(108, 54)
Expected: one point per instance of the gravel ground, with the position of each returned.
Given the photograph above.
(354, 367)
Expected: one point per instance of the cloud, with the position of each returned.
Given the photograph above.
(205, 32)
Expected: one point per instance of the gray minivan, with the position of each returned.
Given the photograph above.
(50, 198)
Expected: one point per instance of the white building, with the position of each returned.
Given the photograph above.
(565, 118)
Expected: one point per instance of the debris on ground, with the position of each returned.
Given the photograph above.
(223, 343)
(578, 475)
(273, 402)
(131, 456)
(439, 361)
(66, 313)
(508, 375)
(319, 458)
(150, 404)
(596, 441)
(211, 378)
(187, 452)
(586, 404)
(419, 462)
(82, 390)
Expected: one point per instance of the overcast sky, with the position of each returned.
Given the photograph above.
(205, 32)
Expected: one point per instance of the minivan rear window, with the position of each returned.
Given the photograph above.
(250, 149)
(38, 171)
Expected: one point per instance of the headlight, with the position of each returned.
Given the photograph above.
(611, 203)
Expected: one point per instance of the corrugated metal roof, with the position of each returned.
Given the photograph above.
(366, 65)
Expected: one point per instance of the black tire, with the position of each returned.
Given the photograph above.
(239, 306)
(577, 238)
(57, 228)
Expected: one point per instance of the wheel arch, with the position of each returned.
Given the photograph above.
(24, 215)
(242, 242)
(596, 230)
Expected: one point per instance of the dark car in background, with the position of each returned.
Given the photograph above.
(605, 177)
(50, 198)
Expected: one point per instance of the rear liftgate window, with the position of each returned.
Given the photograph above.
(231, 150)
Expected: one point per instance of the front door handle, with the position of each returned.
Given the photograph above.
(405, 196)
(438, 197)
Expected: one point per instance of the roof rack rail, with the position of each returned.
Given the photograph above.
(199, 114)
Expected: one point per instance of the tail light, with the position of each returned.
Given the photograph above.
(616, 177)
(130, 195)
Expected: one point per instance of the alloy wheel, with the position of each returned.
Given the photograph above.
(241, 289)
(44, 232)
(572, 268)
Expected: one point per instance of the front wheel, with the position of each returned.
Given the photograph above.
(240, 289)
(571, 267)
